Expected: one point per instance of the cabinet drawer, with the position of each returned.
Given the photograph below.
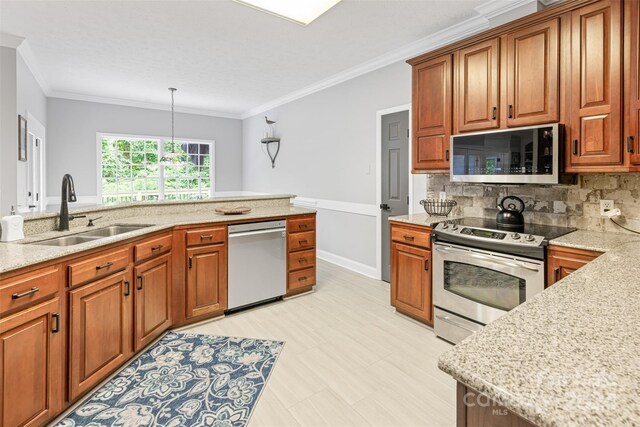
(206, 236)
(298, 241)
(101, 265)
(22, 290)
(301, 224)
(302, 259)
(411, 236)
(302, 278)
(152, 247)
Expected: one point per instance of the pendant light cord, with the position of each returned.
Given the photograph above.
(173, 146)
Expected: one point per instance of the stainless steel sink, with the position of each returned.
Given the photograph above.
(114, 230)
(89, 236)
(66, 241)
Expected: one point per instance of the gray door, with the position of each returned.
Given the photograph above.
(395, 178)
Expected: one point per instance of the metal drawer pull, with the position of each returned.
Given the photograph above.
(511, 111)
(303, 241)
(56, 327)
(208, 236)
(302, 226)
(408, 237)
(127, 288)
(24, 294)
(157, 248)
(107, 265)
(575, 147)
(139, 283)
(302, 279)
(493, 113)
(426, 265)
(556, 270)
(301, 260)
(630, 144)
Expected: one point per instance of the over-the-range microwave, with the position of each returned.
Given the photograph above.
(525, 155)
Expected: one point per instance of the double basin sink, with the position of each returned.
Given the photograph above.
(89, 236)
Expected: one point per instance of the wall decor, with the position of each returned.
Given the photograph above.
(270, 138)
(22, 138)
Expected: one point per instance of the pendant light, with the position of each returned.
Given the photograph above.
(172, 158)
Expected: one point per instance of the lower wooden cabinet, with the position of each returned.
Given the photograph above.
(31, 365)
(100, 328)
(411, 281)
(475, 409)
(152, 300)
(562, 261)
(301, 254)
(206, 279)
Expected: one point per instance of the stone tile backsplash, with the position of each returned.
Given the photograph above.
(575, 205)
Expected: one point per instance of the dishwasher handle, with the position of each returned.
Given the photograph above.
(253, 233)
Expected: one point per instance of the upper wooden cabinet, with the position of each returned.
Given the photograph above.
(477, 91)
(596, 84)
(432, 98)
(632, 87)
(533, 74)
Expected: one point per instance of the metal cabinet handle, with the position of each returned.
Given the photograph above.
(446, 155)
(493, 113)
(56, 324)
(408, 237)
(302, 260)
(103, 266)
(302, 279)
(630, 144)
(556, 270)
(511, 111)
(127, 288)
(302, 225)
(139, 283)
(575, 147)
(24, 294)
(157, 248)
(190, 262)
(208, 236)
(303, 241)
(426, 264)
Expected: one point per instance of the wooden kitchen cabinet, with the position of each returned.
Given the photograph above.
(152, 300)
(533, 74)
(596, 85)
(301, 254)
(432, 94)
(206, 280)
(100, 330)
(631, 84)
(31, 365)
(477, 90)
(411, 291)
(562, 261)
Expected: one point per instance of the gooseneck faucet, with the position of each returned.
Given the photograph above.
(68, 194)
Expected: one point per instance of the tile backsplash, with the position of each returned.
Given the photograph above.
(575, 205)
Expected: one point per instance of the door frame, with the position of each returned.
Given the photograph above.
(379, 114)
(34, 123)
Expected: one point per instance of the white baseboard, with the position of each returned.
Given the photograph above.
(347, 263)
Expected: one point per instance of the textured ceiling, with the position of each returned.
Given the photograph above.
(221, 55)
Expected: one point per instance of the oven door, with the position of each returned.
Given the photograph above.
(482, 285)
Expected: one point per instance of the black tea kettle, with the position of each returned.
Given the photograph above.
(510, 216)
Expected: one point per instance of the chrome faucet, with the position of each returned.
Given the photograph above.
(68, 194)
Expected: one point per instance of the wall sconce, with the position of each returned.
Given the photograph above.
(270, 139)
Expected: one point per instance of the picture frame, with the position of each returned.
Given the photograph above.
(22, 138)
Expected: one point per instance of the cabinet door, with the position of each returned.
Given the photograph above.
(206, 280)
(477, 93)
(100, 330)
(411, 281)
(152, 302)
(532, 75)
(596, 84)
(632, 85)
(432, 97)
(31, 366)
(563, 261)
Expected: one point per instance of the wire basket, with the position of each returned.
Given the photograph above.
(438, 207)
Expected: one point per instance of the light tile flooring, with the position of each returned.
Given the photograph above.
(349, 360)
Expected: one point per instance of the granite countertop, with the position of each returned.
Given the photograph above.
(570, 355)
(422, 219)
(20, 254)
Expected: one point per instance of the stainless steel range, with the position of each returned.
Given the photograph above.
(481, 272)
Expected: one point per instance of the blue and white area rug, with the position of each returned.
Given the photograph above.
(183, 380)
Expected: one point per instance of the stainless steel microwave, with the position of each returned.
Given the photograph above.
(526, 155)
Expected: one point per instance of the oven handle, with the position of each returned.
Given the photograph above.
(515, 264)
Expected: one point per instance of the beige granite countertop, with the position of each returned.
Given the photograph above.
(21, 254)
(422, 219)
(571, 355)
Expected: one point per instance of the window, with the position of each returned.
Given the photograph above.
(131, 169)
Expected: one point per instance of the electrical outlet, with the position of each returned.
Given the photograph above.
(605, 206)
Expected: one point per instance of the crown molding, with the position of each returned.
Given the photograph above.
(441, 38)
(11, 41)
(547, 3)
(141, 104)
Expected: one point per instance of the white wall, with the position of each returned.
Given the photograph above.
(328, 152)
(8, 129)
(71, 140)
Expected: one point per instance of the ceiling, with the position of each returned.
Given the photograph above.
(222, 56)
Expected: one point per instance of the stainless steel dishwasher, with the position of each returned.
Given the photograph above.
(257, 263)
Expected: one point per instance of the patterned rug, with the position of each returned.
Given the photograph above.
(183, 380)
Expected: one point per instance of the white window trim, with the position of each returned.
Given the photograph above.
(100, 135)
